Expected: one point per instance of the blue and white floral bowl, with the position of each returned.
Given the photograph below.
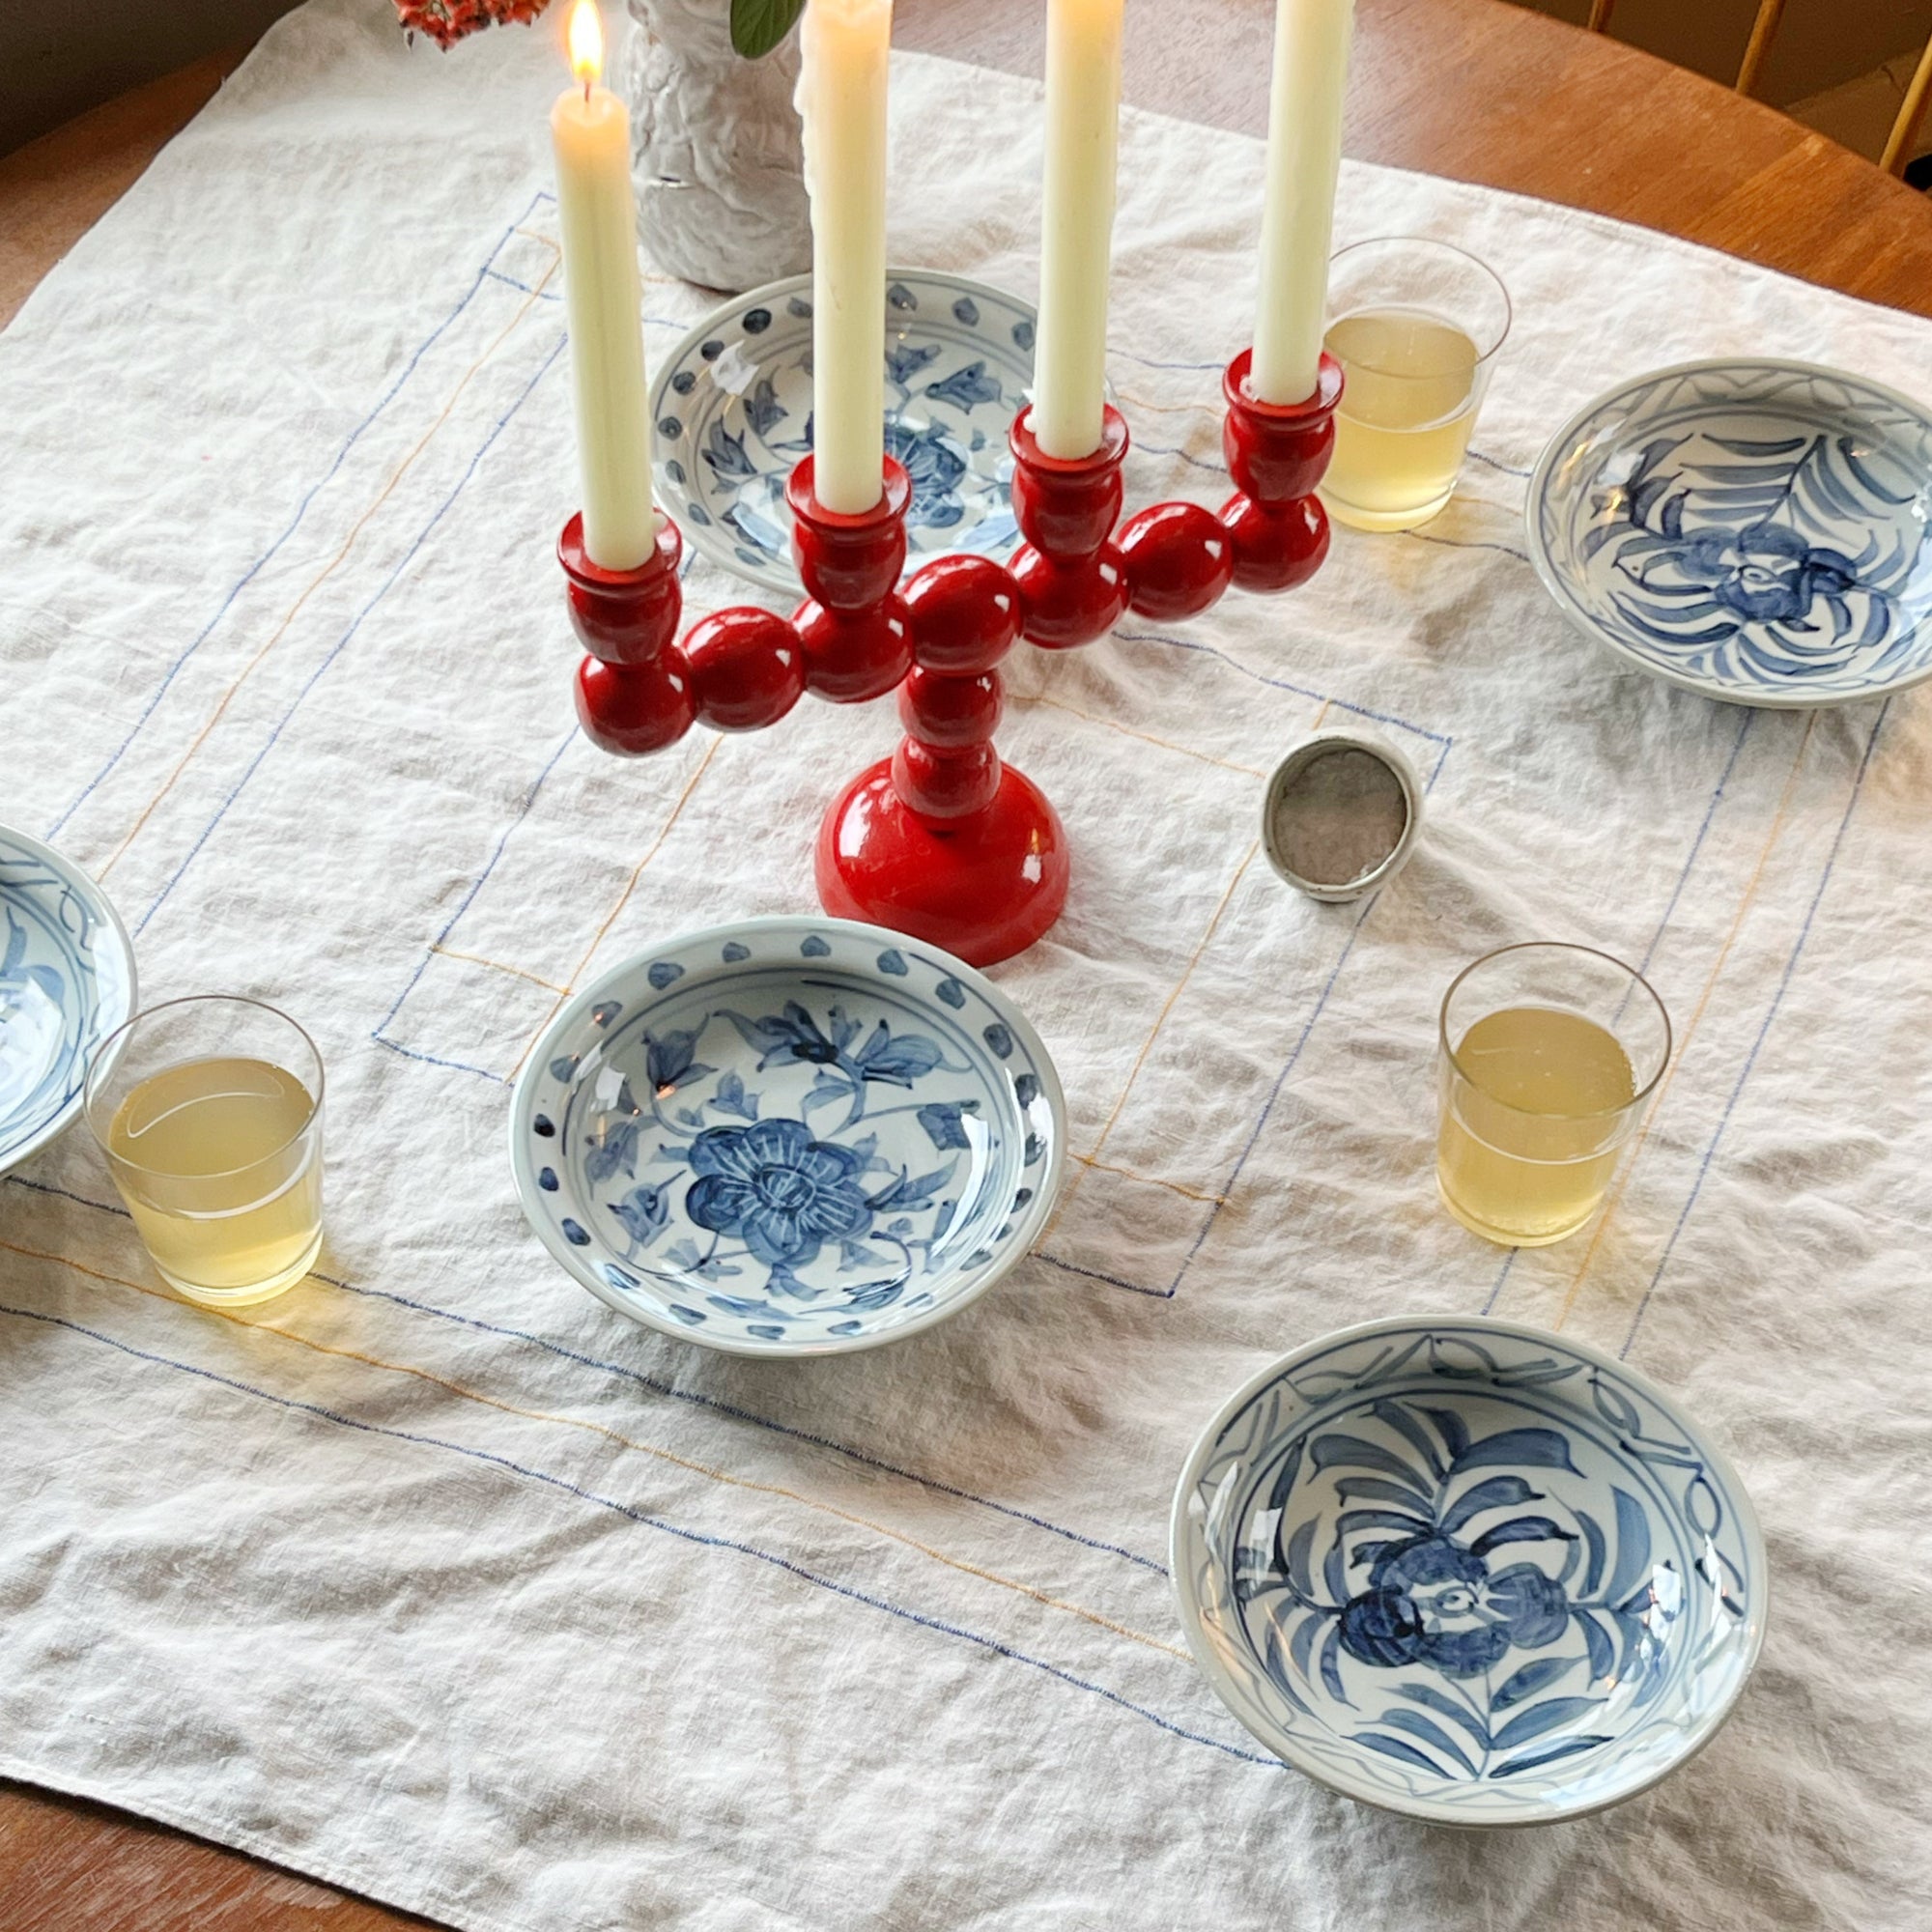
(732, 406)
(67, 981)
(1467, 1571)
(788, 1137)
(1751, 530)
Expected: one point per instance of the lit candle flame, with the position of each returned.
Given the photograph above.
(586, 42)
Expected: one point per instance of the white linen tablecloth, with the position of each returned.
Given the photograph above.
(440, 1580)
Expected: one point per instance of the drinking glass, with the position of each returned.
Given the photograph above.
(1415, 325)
(1547, 1055)
(208, 1110)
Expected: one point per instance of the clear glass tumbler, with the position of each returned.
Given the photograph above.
(1547, 1055)
(208, 1110)
(1415, 325)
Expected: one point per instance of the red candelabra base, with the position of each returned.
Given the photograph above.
(941, 840)
(984, 887)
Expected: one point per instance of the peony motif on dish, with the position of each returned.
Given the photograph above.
(787, 1203)
(1754, 531)
(786, 1137)
(732, 406)
(1773, 588)
(1467, 1570)
(1487, 1588)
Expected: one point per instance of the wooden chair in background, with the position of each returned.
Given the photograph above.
(1910, 114)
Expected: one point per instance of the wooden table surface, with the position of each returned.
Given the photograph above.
(1474, 89)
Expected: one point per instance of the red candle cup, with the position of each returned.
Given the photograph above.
(1073, 585)
(1276, 454)
(632, 689)
(856, 639)
(623, 617)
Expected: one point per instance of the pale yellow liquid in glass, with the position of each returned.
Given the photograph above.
(1531, 1136)
(1407, 408)
(223, 1182)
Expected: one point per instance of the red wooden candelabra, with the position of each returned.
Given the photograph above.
(941, 841)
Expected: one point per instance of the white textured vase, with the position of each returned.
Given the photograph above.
(715, 148)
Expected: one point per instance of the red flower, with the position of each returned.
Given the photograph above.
(447, 21)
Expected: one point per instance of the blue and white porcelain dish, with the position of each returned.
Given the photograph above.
(732, 409)
(1754, 530)
(67, 981)
(1467, 1571)
(788, 1137)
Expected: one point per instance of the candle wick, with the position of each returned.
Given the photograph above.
(586, 90)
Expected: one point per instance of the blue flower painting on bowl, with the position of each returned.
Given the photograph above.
(732, 406)
(1467, 1569)
(1766, 582)
(792, 1139)
(781, 1191)
(1754, 531)
(67, 981)
(934, 467)
(1486, 1588)
(33, 1003)
(779, 1183)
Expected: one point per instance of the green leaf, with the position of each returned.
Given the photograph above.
(757, 26)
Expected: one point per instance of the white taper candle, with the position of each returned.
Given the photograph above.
(597, 224)
(842, 99)
(1304, 153)
(1083, 112)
